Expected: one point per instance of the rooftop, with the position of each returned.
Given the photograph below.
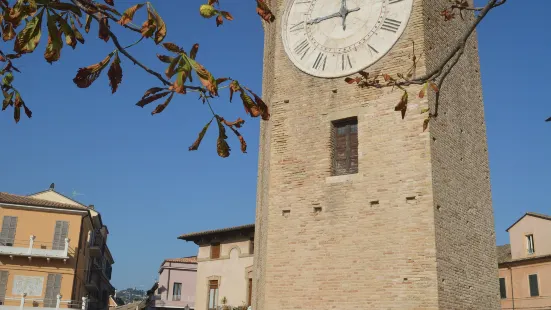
(539, 215)
(212, 233)
(187, 260)
(35, 202)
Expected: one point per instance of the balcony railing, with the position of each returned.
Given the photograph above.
(160, 301)
(96, 245)
(27, 303)
(35, 248)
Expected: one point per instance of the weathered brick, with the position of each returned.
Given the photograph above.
(356, 254)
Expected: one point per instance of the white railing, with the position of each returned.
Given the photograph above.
(34, 248)
(173, 300)
(33, 303)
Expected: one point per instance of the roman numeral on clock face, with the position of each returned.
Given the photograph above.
(302, 48)
(391, 25)
(394, 1)
(346, 63)
(296, 27)
(320, 62)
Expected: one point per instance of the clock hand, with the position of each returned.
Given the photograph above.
(344, 17)
(319, 19)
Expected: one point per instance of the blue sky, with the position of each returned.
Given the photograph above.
(136, 169)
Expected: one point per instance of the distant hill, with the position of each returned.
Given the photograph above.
(130, 295)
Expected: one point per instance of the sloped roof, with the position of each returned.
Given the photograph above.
(504, 253)
(58, 193)
(35, 202)
(187, 260)
(539, 215)
(194, 235)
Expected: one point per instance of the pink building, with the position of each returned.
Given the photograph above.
(176, 284)
(525, 264)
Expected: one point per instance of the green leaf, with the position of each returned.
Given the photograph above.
(77, 33)
(8, 78)
(171, 70)
(70, 37)
(53, 49)
(8, 100)
(27, 40)
(195, 145)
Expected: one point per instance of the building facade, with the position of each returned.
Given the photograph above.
(53, 253)
(525, 264)
(224, 267)
(177, 282)
(357, 206)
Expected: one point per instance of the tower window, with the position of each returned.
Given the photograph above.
(534, 287)
(502, 288)
(345, 146)
(215, 250)
(530, 244)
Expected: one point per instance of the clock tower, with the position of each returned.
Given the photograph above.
(358, 208)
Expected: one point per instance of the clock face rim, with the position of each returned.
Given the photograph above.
(332, 75)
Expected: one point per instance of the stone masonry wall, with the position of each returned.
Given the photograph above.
(465, 238)
(378, 242)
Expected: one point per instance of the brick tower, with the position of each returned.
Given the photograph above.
(357, 208)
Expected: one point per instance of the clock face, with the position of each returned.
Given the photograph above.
(335, 38)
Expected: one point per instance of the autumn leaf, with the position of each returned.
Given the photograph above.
(219, 20)
(241, 140)
(148, 28)
(77, 33)
(107, 8)
(53, 49)
(18, 102)
(171, 70)
(8, 100)
(193, 51)
(433, 86)
(160, 34)
(104, 29)
(226, 15)
(222, 146)
(426, 124)
(110, 2)
(212, 2)
(221, 80)
(402, 105)
(128, 15)
(249, 105)
(86, 76)
(28, 111)
(364, 74)
(178, 85)
(261, 105)
(8, 32)
(422, 91)
(264, 11)
(234, 86)
(386, 77)
(152, 91)
(115, 73)
(88, 22)
(70, 37)
(27, 40)
(63, 6)
(171, 47)
(195, 145)
(150, 99)
(160, 108)
(205, 77)
(165, 58)
(351, 80)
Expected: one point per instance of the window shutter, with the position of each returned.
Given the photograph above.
(502, 288)
(215, 250)
(53, 287)
(353, 148)
(60, 233)
(534, 289)
(3, 284)
(9, 225)
(345, 146)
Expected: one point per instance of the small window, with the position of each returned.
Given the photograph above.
(213, 294)
(215, 250)
(502, 288)
(177, 291)
(534, 287)
(251, 246)
(345, 146)
(530, 244)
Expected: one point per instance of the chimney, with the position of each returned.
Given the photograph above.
(52, 186)
(91, 207)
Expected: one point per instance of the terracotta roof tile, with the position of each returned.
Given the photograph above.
(503, 253)
(193, 235)
(189, 260)
(35, 202)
